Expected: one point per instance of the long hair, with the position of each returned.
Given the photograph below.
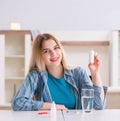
(36, 60)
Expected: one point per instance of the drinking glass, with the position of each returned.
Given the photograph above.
(87, 96)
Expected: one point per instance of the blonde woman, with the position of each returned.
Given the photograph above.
(51, 79)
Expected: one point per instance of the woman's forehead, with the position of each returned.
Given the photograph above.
(49, 43)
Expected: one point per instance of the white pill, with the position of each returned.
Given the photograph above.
(91, 56)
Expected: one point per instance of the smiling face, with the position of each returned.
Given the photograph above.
(47, 51)
(51, 53)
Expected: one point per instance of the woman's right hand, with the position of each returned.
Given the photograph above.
(61, 107)
(47, 106)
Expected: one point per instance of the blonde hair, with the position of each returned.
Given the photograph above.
(36, 56)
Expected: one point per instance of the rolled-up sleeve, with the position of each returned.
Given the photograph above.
(23, 100)
(98, 102)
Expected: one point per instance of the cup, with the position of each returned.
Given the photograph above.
(87, 96)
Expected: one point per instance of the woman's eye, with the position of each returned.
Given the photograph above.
(56, 48)
(46, 51)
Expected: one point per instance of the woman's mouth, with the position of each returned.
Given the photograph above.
(54, 59)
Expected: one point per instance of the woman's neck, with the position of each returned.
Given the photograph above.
(57, 72)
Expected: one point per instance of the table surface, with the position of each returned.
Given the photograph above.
(9, 115)
(96, 115)
(72, 115)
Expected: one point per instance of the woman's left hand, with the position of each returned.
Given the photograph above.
(95, 67)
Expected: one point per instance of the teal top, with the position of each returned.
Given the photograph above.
(61, 92)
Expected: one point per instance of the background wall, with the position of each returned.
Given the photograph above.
(61, 14)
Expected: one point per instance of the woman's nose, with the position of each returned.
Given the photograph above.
(52, 52)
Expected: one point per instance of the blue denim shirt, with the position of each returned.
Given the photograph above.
(35, 84)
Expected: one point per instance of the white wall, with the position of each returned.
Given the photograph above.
(61, 14)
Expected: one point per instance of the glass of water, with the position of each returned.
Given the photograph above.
(87, 96)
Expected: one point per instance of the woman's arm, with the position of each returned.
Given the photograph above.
(23, 100)
(47, 106)
(95, 74)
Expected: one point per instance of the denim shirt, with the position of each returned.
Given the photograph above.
(35, 84)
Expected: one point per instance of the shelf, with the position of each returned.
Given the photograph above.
(15, 31)
(14, 78)
(85, 43)
(15, 48)
(14, 56)
(6, 107)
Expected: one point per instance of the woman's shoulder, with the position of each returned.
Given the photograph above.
(33, 73)
(76, 70)
(32, 78)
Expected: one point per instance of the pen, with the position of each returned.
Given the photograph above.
(43, 112)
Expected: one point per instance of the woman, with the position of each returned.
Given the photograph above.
(51, 79)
